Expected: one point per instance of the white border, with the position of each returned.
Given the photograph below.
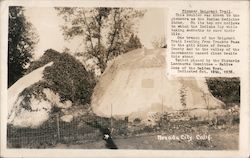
(245, 114)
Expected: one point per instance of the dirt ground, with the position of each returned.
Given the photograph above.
(211, 139)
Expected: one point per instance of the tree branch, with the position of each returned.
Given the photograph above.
(113, 37)
(89, 31)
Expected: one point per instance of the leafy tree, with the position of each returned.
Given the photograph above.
(21, 41)
(105, 31)
(133, 43)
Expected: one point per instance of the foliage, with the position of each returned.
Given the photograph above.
(133, 43)
(82, 130)
(67, 76)
(183, 96)
(48, 56)
(35, 90)
(105, 31)
(137, 120)
(21, 42)
(46, 136)
(225, 89)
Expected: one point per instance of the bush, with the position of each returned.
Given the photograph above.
(48, 56)
(67, 76)
(225, 89)
(137, 120)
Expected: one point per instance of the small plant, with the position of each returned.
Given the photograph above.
(137, 120)
(183, 96)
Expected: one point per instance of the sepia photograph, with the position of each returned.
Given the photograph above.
(95, 78)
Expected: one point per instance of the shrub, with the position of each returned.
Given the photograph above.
(137, 120)
(225, 89)
(67, 76)
(48, 56)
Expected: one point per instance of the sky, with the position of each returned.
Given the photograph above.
(47, 25)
